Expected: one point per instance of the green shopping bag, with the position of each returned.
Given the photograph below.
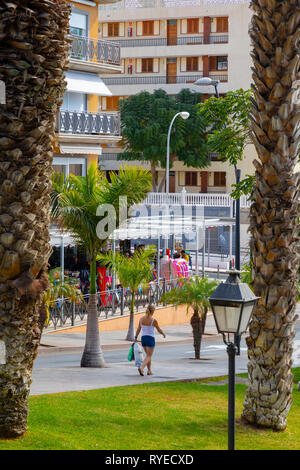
(131, 353)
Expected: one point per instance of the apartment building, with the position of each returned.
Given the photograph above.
(82, 127)
(169, 44)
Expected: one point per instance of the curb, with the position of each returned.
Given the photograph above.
(45, 349)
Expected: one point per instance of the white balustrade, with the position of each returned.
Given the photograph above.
(194, 199)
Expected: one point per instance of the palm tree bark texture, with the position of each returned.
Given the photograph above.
(33, 54)
(274, 211)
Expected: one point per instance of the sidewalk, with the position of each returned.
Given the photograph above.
(57, 342)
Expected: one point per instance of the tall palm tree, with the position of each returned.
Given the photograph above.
(195, 293)
(76, 203)
(275, 32)
(34, 49)
(132, 272)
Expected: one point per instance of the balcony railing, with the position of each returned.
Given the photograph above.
(95, 51)
(133, 4)
(194, 199)
(159, 79)
(180, 41)
(73, 122)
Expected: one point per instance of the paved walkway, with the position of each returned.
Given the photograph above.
(57, 367)
(116, 339)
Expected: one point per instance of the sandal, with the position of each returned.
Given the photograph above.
(149, 373)
(140, 371)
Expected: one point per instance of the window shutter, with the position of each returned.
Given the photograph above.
(156, 28)
(183, 64)
(139, 28)
(156, 65)
(213, 28)
(138, 65)
(212, 63)
(105, 30)
(184, 26)
(181, 178)
(222, 25)
(121, 29)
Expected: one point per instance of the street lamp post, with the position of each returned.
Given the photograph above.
(183, 115)
(206, 81)
(232, 304)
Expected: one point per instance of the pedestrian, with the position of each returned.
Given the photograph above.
(147, 325)
(184, 255)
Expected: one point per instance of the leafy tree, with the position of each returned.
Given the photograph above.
(145, 121)
(75, 204)
(229, 119)
(195, 293)
(133, 272)
(229, 130)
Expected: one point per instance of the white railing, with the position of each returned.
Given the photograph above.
(195, 199)
(133, 4)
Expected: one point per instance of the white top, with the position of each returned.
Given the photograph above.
(147, 330)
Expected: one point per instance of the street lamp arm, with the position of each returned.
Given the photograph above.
(184, 115)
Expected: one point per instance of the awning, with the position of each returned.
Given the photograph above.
(157, 226)
(81, 149)
(58, 239)
(89, 83)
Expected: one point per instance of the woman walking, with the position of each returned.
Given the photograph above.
(147, 325)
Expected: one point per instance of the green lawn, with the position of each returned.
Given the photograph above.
(170, 416)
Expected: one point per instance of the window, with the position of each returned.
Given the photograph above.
(148, 28)
(74, 102)
(78, 24)
(193, 26)
(219, 178)
(191, 178)
(218, 63)
(72, 165)
(192, 64)
(222, 25)
(112, 103)
(222, 63)
(113, 29)
(147, 65)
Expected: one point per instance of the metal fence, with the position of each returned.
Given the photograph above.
(160, 79)
(177, 41)
(111, 303)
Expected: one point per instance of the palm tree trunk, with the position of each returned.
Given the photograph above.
(274, 211)
(196, 323)
(33, 54)
(92, 354)
(130, 333)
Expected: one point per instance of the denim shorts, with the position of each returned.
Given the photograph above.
(148, 341)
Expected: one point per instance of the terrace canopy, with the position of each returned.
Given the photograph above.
(155, 227)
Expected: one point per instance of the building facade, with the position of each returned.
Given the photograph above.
(169, 44)
(82, 127)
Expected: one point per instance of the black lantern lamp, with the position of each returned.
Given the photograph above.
(232, 304)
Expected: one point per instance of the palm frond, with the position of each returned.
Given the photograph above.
(193, 292)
